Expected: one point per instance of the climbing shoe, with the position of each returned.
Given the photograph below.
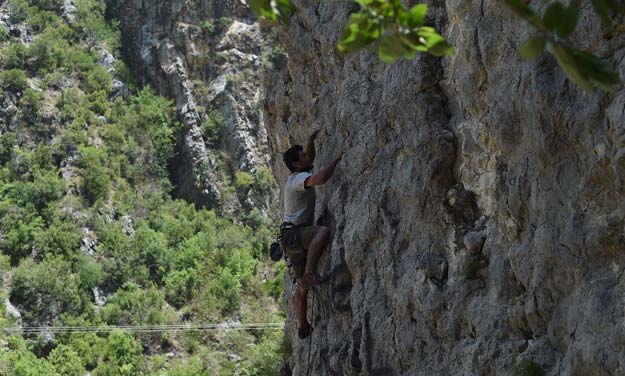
(303, 333)
(312, 279)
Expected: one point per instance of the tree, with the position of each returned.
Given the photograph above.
(47, 289)
(400, 33)
(66, 361)
(122, 354)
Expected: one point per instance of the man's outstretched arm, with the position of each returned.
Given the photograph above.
(310, 146)
(322, 175)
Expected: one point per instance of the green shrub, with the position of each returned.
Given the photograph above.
(122, 355)
(70, 103)
(275, 286)
(265, 357)
(66, 361)
(88, 347)
(133, 305)
(125, 75)
(4, 34)
(13, 80)
(49, 5)
(80, 61)
(19, 226)
(42, 57)
(214, 126)
(60, 238)
(152, 252)
(98, 102)
(181, 286)
(7, 142)
(14, 56)
(24, 363)
(31, 106)
(224, 23)
(19, 10)
(255, 218)
(46, 187)
(264, 179)
(47, 289)
(243, 181)
(93, 26)
(98, 79)
(41, 19)
(96, 181)
(242, 265)
(226, 292)
(208, 26)
(54, 80)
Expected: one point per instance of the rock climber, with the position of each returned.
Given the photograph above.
(303, 242)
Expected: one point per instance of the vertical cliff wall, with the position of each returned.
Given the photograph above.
(478, 215)
(205, 55)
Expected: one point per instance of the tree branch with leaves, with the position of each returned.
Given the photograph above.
(399, 32)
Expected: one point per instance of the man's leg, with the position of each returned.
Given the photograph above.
(301, 302)
(316, 246)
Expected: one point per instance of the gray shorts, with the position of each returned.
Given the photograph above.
(295, 242)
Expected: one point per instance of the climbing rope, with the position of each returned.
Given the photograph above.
(312, 317)
(143, 328)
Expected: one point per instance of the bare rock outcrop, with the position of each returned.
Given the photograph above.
(478, 215)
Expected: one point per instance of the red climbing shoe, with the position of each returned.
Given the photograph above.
(312, 279)
(303, 333)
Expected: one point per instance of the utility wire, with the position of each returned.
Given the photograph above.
(143, 328)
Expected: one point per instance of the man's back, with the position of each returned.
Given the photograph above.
(299, 201)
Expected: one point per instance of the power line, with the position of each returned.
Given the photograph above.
(143, 328)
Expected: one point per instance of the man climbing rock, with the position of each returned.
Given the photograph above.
(302, 241)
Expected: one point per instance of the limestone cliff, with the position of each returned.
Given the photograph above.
(205, 55)
(478, 215)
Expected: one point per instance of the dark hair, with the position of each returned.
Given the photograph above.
(291, 156)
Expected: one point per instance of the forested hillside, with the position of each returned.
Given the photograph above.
(90, 232)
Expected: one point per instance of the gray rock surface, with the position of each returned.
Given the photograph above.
(438, 151)
(10, 311)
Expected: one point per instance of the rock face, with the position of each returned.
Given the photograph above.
(205, 55)
(478, 215)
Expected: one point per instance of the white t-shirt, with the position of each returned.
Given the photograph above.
(299, 201)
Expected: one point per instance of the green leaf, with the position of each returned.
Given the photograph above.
(561, 19)
(392, 47)
(532, 48)
(383, 8)
(427, 39)
(361, 30)
(442, 48)
(262, 9)
(597, 70)
(280, 9)
(285, 9)
(568, 64)
(415, 17)
(553, 15)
